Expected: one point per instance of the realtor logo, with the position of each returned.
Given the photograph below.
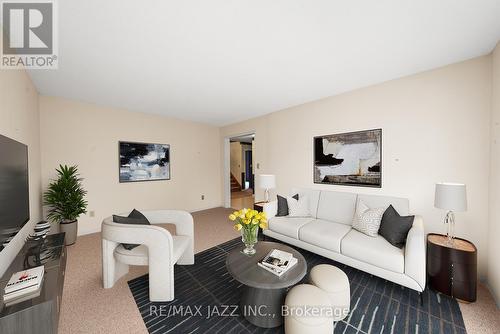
(29, 34)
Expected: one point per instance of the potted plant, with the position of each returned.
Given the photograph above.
(65, 197)
(248, 222)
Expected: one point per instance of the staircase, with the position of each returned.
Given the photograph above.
(235, 185)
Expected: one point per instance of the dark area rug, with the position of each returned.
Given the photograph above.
(206, 299)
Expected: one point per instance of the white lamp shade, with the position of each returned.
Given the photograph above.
(451, 196)
(267, 181)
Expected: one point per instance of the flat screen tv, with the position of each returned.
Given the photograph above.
(14, 192)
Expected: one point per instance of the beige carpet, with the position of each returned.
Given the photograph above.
(88, 308)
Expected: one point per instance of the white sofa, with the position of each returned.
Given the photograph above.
(328, 232)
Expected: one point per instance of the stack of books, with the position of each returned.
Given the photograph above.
(23, 285)
(277, 262)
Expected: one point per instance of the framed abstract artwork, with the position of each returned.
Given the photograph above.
(350, 159)
(144, 162)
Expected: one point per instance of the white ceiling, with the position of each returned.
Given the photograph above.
(222, 61)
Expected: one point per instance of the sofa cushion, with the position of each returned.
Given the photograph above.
(367, 220)
(283, 205)
(313, 196)
(298, 207)
(324, 234)
(373, 250)
(394, 228)
(337, 206)
(374, 201)
(288, 226)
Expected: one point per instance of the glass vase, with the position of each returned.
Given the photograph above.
(249, 238)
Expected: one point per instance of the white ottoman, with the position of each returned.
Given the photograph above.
(307, 310)
(335, 283)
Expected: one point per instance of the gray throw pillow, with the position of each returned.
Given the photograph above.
(136, 218)
(394, 228)
(283, 205)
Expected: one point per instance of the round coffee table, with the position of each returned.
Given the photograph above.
(264, 293)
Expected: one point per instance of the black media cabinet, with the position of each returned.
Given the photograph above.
(39, 314)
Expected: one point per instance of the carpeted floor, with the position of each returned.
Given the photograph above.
(377, 306)
(88, 308)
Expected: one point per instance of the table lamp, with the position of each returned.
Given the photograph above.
(453, 198)
(267, 181)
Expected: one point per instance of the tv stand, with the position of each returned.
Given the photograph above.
(39, 314)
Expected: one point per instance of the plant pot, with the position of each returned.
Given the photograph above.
(70, 227)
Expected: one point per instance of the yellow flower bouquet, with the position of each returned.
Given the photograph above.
(248, 222)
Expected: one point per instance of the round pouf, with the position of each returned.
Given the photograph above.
(307, 310)
(335, 283)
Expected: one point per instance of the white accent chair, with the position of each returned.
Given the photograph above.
(158, 249)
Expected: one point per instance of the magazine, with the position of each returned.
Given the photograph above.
(277, 259)
(278, 272)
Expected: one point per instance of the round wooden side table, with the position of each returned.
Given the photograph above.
(452, 269)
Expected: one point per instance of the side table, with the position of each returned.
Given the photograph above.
(259, 206)
(452, 269)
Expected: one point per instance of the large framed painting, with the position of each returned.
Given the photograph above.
(144, 162)
(351, 159)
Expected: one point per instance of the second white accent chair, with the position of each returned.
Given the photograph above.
(158, 249)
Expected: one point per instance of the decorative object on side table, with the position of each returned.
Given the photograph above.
(40, 231)
(267, 182)
(248, 222)
(452, 269)
(451, 197)
(65, 198)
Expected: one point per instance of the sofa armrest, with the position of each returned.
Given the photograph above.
(415, 252)
(271, 209)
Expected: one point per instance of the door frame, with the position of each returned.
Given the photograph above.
(227, 165)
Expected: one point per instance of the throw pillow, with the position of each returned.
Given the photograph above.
(394, 228)
(298, 207)
(135, 217)
(283, 205)
(367, 220)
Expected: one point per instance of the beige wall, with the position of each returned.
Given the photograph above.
(87, 135)
(236, 160)
(19, 120)
(435, 128)
(494, 232)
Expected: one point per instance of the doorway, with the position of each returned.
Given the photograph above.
(241, 171)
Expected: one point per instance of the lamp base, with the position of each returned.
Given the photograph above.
(449, 221)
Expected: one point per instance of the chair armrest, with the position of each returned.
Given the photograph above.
(182, 220)
(415, 252)
(134, 234)
(271, 209)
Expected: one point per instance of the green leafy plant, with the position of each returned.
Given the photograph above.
(65, 196)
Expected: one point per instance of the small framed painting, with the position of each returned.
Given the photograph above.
(144, 162)
(350, 159)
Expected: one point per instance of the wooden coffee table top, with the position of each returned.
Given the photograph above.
(245, 270)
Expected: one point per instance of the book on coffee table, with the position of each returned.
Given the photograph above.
(277, 259)
(278, 272)
(277, 262)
